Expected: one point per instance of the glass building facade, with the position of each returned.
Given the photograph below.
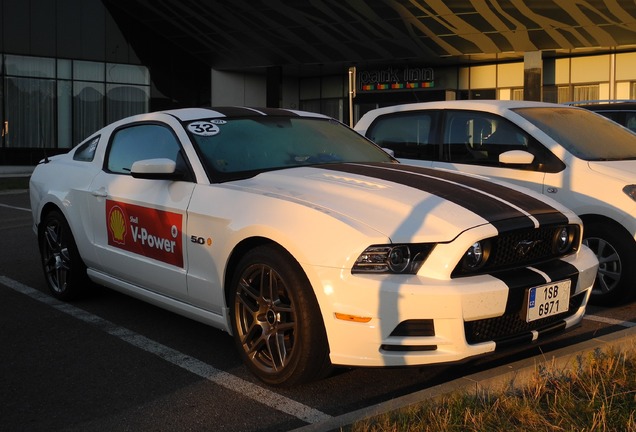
(69, 67)
(53, 103)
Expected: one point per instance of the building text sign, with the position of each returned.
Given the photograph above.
(392, 78)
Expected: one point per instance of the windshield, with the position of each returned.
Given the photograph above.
(586, 135)
(228, 147)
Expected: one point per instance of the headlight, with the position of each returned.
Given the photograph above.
(564, 239)
(401, 259)
(630, 190)
(476, 256)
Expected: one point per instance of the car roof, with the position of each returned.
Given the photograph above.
(492, 106)
(488, 105)
(614, 106)
(186, 114)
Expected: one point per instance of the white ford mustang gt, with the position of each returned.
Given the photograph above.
(307, 242)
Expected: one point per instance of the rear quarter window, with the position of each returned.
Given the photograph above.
(86, 151)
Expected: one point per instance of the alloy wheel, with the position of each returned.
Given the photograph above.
(56, 257)
(266, 320)
(610, 266)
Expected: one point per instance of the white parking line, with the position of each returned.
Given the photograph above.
(15, 208)
(197, 367)
(611, 321)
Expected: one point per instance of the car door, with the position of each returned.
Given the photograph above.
(473, 142)
(139, 223)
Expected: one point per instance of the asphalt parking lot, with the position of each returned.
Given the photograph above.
(110, 362)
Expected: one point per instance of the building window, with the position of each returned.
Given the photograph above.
(127, 91)
(563, 94)
(586, 93)
(125, 100)
(516, 94)
(88, 108)
(510, 94)
(56, 103)
(30, 112)
(310, 105)
(29, 94)
(324, 95)
(64, 114)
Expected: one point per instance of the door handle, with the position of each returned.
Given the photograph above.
(101, 193)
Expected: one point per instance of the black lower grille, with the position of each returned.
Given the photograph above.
(422, 327)
(512, 325)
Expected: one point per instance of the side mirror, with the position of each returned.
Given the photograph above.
(158, 169)
(516, 157)
(389, 151)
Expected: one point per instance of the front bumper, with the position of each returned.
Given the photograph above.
(415, 320)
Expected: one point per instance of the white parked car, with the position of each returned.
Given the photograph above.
(581, 159)
(306, 241)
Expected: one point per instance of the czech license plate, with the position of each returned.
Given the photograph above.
(548, 300)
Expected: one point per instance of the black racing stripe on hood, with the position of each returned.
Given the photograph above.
(497, 211)
(500, 214)
(545, 213)
(247, 112)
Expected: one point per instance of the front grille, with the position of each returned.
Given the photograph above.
(521, 248)
(513, 325)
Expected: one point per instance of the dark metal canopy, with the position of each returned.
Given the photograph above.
(239, 34)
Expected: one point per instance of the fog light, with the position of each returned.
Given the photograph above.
(563, 240)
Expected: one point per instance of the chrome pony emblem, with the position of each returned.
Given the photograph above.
(524, 247)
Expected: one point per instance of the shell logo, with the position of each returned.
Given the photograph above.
(117, 225)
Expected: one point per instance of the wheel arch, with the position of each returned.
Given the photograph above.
(46, 209)
(52, 206)
(237, 254)
(596, 218)
(615, 249)
(247, 244)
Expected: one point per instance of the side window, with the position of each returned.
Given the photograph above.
(630, 120)
(409, 135)
(86, 152)
(476, 137)
(146, 141)
(612, 115)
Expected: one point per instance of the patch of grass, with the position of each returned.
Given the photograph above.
(9, 183)
(597, 393)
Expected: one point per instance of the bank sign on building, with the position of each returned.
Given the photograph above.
(395, 78)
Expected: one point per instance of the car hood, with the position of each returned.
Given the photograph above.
(407, 203)
(623, 170)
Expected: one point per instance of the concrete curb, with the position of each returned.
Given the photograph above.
(7, 171)
(513, 374)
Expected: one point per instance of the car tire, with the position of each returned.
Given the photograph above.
(616, 252)
(64, 270)
(277, 324)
